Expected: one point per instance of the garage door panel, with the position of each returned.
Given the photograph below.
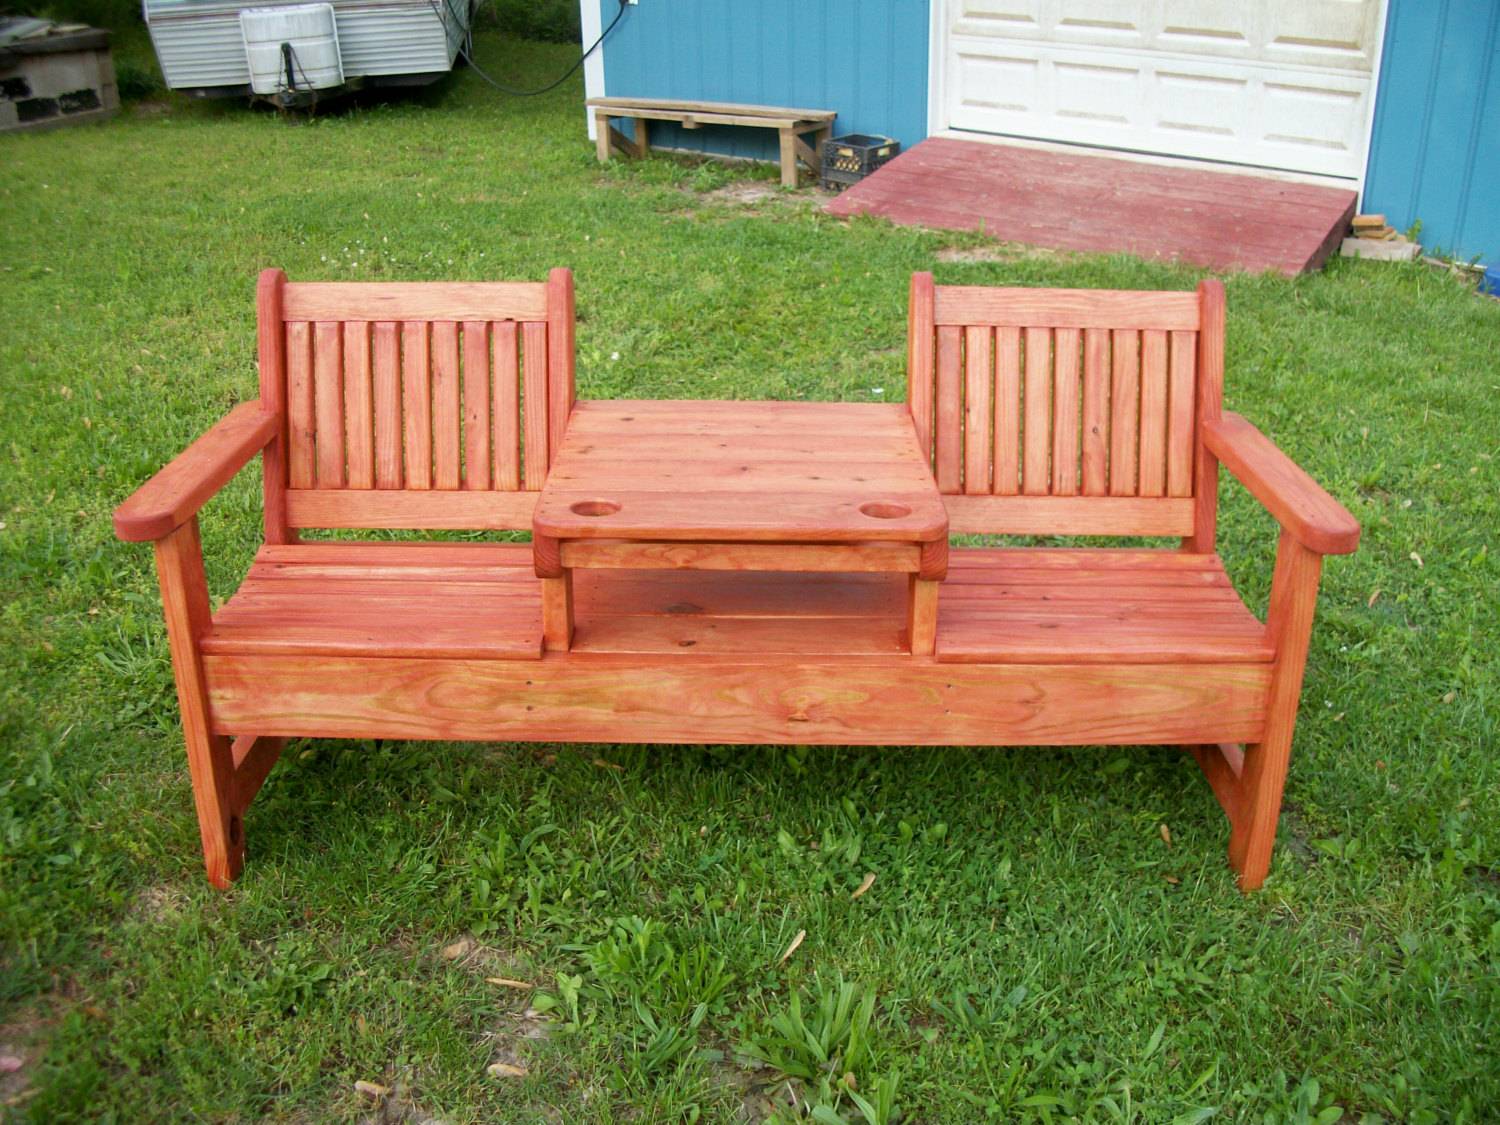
(1281, 83)
(1007, 17)
(1313, 117)
(1002, 88)
(1246, 114)
(1206, 104)
(1096, 92)
(1201, 26)
(1102, 22)
(1337, 33)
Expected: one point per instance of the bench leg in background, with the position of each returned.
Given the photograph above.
(811, 154)
(184, 596)
(607, 138)
(788, 157)
(601, 136)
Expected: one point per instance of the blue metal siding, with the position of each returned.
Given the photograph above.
(867, 59)
(1435, 149)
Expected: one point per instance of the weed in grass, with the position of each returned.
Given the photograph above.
(828, 1049)
(831, 1039)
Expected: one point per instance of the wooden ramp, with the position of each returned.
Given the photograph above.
(1102, 204)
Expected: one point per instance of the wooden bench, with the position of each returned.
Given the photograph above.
(443, 406)
(791, 126)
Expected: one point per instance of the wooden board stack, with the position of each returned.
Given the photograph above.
(1374, 227)
(1372, 237)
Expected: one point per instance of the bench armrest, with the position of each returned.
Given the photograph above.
(174, 495)
(1311, 516)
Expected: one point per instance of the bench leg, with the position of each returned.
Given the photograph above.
(1250, 784)
(788, 157)
(809, 154)
(254, 756)
(557, 612)
(642, 137)
(601, 136)
(184, 596)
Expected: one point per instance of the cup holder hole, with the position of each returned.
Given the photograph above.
(594, 508)
(884, 510)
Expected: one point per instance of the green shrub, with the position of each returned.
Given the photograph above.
(136, 79)
(553, 21)
(116, 15)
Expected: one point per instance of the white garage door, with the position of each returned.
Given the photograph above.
(1274, 83)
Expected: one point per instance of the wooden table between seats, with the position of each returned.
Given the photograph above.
(753, 486)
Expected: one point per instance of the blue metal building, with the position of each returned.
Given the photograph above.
(1399, 99)
(1435, 149)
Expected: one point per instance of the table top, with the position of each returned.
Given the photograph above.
(803, 472)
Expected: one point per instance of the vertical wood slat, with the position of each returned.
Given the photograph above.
(1153, 473)
(534, 402)
(386, 361)
(1095, 411)
(1210, 404)
(1124, 403)
(1007, 411)
(446, 439)
(507, 406)
(919, 357)
(560, 355)
(949, 459)
(359, 406)
(1038, 397)
(416, 394)
(328, 402)
(299, 393)
(1065, 413)
(1180, 415)
(978, 375)
(476, 404)
(270, 339)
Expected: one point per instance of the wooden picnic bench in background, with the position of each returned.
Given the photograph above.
(738, 572)
(791, 125)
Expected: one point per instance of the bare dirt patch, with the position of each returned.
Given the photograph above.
(1005, 253)
(746, 193)
(21, 1047)
(504, 968)
(158, 904)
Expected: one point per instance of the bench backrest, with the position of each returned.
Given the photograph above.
(412, 405)
(1068, 411)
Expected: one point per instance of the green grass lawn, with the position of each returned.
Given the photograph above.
(1031, 948)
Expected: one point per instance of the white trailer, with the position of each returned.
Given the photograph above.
(294, 52)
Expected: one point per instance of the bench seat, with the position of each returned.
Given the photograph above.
(463, 600)
(998, 606)
(1072, 606)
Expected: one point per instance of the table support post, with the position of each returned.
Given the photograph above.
(921, 619)
(557, 612)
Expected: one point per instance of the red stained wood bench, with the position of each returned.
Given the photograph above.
(446, 406)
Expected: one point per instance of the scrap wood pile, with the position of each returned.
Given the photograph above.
(1373, 237)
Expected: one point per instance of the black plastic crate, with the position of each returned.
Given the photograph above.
(852, 157)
